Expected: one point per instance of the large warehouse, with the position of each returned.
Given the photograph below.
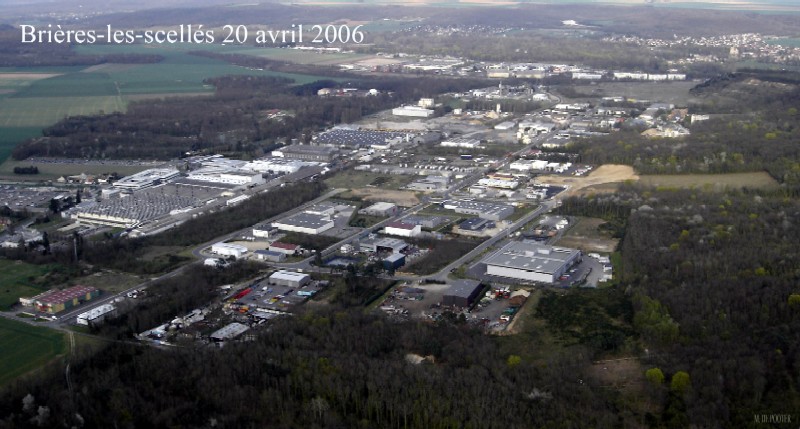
(55, 301)
(531, 261)
(485, 210)
(146, 178)
(307, 152)
(228, 249)
(306, 223)
(402, 229)
(289, 279)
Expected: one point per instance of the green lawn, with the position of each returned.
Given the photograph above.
(19, 279)
(26, 348)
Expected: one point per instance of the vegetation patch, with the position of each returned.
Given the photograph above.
(26, 348)
(441, 253)
(19, 279)
(590, 235)
(597, 318)
(712, 182)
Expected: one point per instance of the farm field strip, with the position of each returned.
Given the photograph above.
(44, 111)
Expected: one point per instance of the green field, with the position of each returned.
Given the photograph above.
(26, 348)
(711, 181)
(31, 100)
(11, 136)
(19, 279)
(43, 111)
(179, 72)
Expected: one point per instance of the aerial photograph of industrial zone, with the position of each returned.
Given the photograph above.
(378, 214)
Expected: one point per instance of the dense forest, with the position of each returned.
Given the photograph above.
(713, 280)
(332, 369)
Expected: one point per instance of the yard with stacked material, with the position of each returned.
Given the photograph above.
(26, 348)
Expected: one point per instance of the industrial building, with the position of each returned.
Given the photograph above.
(381, 209)
(226, 176)
(275, 165)
(476, 224)
(146, 178)
(429, 183)
(486, 210)
(462, 293)
(461, 142)
(531, 261)
(289, 279)
(228, 249)
(384, 244)
(360, 138)
(414, 111)
(427, 138)
(322, 209)
(402, 229)
(270, 256)
(429, 222)
(527, 165)
(229, 332)
(56, 301)
(285, 248)
(264, 230)
(96, 315)
(307, 153)
(498, 183)
(237, 200)
(394, 261)
(130, 211)
(306, 223)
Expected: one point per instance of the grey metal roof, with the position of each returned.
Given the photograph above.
(531, 256)
(463, 288)
(306, 220)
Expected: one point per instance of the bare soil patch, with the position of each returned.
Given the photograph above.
(401, 198)
(609, 173)
(587, 236)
